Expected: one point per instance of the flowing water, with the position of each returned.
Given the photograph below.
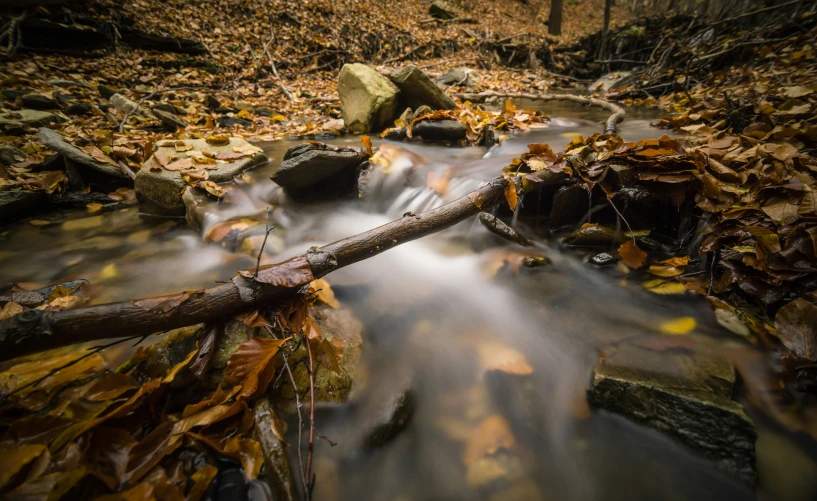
(498, 357)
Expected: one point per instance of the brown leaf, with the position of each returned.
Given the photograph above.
(782, 211)
(161, 304)
(510, 194)
(796, 325)
(180, 164)
(111, 386)
(201, 478)
(631, 255)
(14, 459)
(325, 293)
(252, 366)
(291, 273)
(247, 451)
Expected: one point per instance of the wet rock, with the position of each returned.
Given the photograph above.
(439, 130)
(311, 170)
(458, 76)
(172, 348)
(602, 259)
(79, 200)
(160, 190)
(277, 468)
(106, 91)
(169, 120)
(262, 111)
(233, 121)
(570, 205)
(417, 89)
(54, 141)
(441, 10)
(10, 155)
(79, 109)
(195, 200)
(686, 395)
(368, 100)
(591, 235)
(343, 330)
(212, 102)
(611, 81)
(14, 129)
(11, 94)
(32, 118)
(387, 422)
(39, 102)
(396, 134)
(498, 227)
(640, 206)
(534, 262)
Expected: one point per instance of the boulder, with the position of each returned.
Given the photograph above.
(368, 100)
(417, 89)
(39, 102)
(106, 91)
(195, 200)
(125, 105)
(683, 394)
(316, 169)
(32, 118)
(168, 108)
(212, 102)
(611, 81)
(593, 235)
(160, 190)
(10, 155)
(439, 130)
(54, 141)
(17, 204)
(441, 10)
(458, 76)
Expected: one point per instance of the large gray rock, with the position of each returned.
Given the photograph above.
(611, 81)
(686, 395)
(439, 130)
(368, 100)
(10, 155)
(53, 140)
(31, 118)
(18, 204)
(417, 89)
(319, 170)
(160, 190)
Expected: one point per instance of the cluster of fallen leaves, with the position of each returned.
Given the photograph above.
(73, 428)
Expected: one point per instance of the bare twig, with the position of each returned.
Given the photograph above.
(311, 444)
(263, 244)
(146, 98)
(284, 89)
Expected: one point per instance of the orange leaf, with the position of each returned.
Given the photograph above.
(510, 195)
(366, 142)
(631, 255)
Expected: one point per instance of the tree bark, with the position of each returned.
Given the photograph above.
(34, 331)
(555, 19)
(605, 30)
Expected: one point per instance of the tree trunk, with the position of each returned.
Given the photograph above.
(555, 19)
(605, 30)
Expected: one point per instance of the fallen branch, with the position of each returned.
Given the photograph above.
(34, 331)
(610, 125)
(283, 87)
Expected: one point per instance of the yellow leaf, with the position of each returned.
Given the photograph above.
(278, 118)
(325, 293)
(93, 207)
(631, 255)
(659, 286)
(678, 326)
(108, 272)
(510, 194)
(366, 142)
(39, 222)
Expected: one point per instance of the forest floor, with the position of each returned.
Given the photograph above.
(741, 96)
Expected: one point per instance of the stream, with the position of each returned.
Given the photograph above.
(498, 356)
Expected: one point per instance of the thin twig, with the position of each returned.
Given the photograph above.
(263, 244)
(154, 93)
(284, 89)
(311, 444)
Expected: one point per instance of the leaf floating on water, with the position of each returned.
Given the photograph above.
(631, 255)
(796, 325)
(659, 286)
(493, 434)
(678, 326)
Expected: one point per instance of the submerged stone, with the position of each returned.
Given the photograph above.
(602, 259)
(570, 205)
(686, 395)
(594, 235)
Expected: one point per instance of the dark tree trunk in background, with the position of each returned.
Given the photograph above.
(555, 19)
(605, 30)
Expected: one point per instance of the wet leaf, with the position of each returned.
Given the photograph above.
(659, 286)
(366, 142)
(247, 451)
(631, 255)
(252, 366)
(14, 459)
(510, 195)
(291, 273)
(678, 326)
(796, 325)
(325, 293)
(201, 479)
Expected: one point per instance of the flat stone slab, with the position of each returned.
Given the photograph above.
(319, 169)
(160, 188)
(683, 394)
(33, 118)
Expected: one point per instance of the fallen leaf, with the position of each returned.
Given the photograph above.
(252, 367)
(631, 255)
(366, 142)
(678, 326)
(796, 325)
